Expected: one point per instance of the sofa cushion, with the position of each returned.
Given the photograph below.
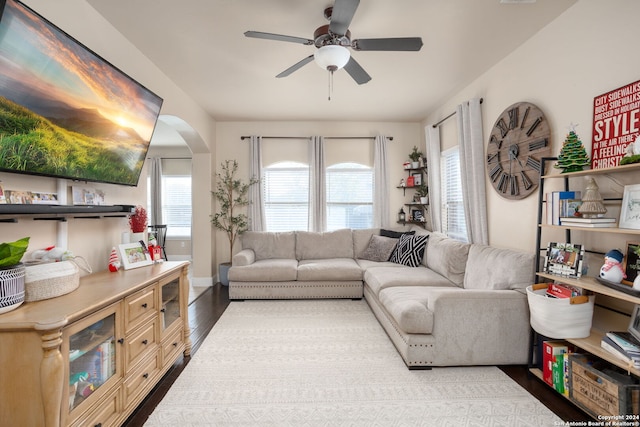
(494, 268)
(395, 233)
(329, 269)
(379, 249)
(409, 250)
(269, 245)
(447, 257)
(407, 305)
(330, 244)
(361, 239)
(266, 270)
(382, 277)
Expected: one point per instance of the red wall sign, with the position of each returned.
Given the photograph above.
(616, 124)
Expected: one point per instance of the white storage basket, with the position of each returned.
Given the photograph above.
(11, 287)
(559, 318)
(50, 280)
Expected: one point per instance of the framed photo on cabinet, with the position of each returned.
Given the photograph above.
(134, 255)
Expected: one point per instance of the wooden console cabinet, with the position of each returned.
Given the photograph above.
(90, 357)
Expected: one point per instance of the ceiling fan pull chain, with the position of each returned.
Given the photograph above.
(330, 84)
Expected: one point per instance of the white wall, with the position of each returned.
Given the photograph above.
(229, 146)
(587, 51)
(90, 238)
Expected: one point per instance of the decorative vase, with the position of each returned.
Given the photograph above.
(424, 200)
(223, 273)
(11, 287)
(415, 165)
(136, 237)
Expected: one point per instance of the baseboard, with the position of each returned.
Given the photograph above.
(201, 281)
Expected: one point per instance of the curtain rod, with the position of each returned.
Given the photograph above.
(390, 138)
(449, 116)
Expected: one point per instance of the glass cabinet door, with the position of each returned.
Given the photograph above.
(93, 360)
(170, 307)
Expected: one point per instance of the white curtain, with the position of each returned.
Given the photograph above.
(256, 206)
(317, 192)
(471, 143)
(155, 175)
(433, 172)
(380, 183)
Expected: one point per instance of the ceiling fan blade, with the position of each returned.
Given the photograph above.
(392, 44)
(278, 37)
(341, 16)
(357, 72)
(296, 66)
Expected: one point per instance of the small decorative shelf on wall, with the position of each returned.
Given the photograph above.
(9, 212)
(416, 211)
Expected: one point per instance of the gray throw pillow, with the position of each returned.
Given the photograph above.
(379, 248)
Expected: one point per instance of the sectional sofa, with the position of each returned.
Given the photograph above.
(441, 302)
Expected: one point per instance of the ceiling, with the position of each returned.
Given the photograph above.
(200, 45)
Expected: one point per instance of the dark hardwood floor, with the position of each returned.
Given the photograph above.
(209, 306)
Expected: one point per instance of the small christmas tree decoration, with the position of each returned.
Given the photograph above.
(573, 157)
(592, 205)
(114, 261)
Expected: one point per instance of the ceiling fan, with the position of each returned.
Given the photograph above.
(333, 40)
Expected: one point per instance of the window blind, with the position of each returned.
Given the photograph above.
(452, 209)
(349, 196)
(285, 187)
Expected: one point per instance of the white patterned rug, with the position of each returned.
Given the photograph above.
(329, 363)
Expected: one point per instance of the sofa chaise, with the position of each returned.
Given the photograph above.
(442, 302)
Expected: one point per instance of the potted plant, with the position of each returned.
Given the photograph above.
(12, 273)
(423, 192)
(231, 195)
(138, 224)
(415, 157)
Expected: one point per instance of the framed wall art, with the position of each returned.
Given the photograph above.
(630, 210)
(631, 262)
(134, 255)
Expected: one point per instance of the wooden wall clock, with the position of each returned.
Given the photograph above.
(518, 140)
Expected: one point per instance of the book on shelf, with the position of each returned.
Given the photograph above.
(561, 203)
(625, 341)
(611, 347)
(588, 222)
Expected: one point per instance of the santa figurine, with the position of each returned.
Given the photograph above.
(114, 261)
(612, 268)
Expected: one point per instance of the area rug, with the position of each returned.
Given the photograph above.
(329, 363)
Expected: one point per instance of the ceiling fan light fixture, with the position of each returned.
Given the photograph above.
(332, 57)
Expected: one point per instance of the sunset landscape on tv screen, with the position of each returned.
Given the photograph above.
(64, 111)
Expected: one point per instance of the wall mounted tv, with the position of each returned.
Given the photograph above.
(64, 111)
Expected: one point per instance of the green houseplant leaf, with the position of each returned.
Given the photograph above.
(11, 253)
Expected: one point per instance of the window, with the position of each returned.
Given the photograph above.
(452, 209)
(349, 196)
(286, 196)
(176, 198)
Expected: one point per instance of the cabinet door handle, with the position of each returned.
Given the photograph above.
(144, 305)
(145, 375)
(175, 344)
(98, 425)
(121, 341)
(145, 342)
(163, 310)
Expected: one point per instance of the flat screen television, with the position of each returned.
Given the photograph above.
(64, 111)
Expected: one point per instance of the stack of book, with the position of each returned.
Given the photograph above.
(624, 346)
(588, 222)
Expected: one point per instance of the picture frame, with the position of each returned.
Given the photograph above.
(417, 178)
(134, 255)
(630, 211)
(634, 323)
(564, 259)
(417, 215)
(631, 263)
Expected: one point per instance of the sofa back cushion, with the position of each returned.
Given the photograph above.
(447, 257)
(270, 245)
(330, 244)
(361, 239)
(493, 268)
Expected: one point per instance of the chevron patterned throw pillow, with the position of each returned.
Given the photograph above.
(409, 250)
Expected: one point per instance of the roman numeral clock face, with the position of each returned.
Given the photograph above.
(518, 140)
